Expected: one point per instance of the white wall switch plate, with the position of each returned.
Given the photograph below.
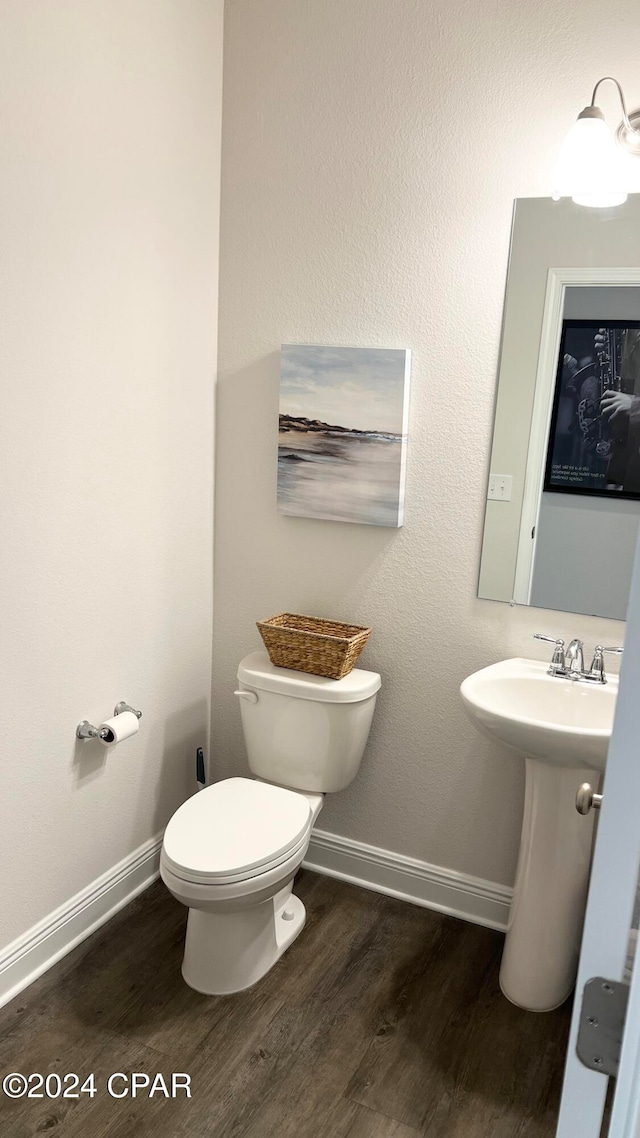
(500, 487)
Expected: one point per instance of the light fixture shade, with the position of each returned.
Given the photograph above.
(590, 168)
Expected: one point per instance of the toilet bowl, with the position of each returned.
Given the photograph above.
(230, 852)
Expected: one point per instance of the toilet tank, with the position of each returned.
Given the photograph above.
(304, 731)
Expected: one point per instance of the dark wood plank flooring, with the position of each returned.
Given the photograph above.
(383, 1020)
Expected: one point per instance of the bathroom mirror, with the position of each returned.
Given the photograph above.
(563, 497)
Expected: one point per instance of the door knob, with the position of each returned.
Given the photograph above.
(587, 799)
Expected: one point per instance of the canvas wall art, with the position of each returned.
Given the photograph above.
(343, 433)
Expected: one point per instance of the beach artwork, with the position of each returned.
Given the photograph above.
(343, 433)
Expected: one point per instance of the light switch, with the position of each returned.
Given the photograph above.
(500, 487)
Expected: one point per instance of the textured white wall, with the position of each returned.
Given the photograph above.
(108, 260)
(371, 153)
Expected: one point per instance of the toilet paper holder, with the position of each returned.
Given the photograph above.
(86, 730)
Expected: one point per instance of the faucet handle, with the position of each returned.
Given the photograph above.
(596, 671)
(557, 666)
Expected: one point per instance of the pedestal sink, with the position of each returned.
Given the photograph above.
(562, 728)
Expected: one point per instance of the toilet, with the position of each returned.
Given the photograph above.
(230, 852)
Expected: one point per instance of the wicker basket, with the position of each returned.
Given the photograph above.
(311, 644)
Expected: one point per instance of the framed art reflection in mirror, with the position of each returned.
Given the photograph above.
(594, 437)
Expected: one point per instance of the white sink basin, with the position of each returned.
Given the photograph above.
(564, 722)
(561, 729)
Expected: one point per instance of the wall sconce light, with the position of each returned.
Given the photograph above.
(591, 165)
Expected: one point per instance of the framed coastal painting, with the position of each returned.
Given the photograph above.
(343, 433)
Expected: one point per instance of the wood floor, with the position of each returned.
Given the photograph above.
(383, 1020)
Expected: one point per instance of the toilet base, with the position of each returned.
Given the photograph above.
(229, 952)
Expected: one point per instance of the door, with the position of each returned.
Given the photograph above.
(612, 895)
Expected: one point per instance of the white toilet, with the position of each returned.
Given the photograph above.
(231, 852)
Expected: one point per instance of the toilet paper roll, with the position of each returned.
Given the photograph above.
(118, 729)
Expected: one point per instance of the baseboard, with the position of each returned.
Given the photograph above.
(52, 938)
(445, 890)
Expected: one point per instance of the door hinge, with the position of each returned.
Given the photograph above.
(604, 1008)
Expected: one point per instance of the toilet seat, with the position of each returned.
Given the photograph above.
(235, 830)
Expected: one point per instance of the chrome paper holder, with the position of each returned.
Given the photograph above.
(122, 706)
(86, 730)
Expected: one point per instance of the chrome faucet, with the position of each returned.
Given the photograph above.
(570, 664)
(574, 660)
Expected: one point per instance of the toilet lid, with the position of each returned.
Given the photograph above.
(235, 827)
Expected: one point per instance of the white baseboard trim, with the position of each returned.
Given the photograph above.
(26, 958)
(445, 890)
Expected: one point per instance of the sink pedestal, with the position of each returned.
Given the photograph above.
(563, 727)
(540, 956)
